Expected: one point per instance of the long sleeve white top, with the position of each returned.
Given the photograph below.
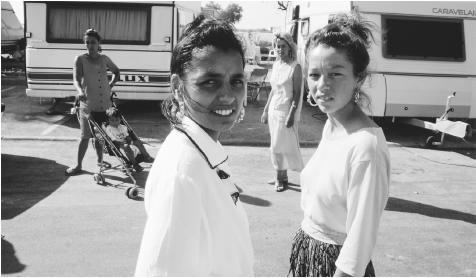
(345, 189)
(194, 227)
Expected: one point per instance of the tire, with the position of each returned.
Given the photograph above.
(132, 192)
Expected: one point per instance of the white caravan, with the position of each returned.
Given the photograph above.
(423, 52)
(137, 36)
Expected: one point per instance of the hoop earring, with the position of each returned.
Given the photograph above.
(309, 100)
(181, 110)
(356, 95)
(241, 116)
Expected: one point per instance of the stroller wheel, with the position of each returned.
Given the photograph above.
(132, 192)
(99, 179)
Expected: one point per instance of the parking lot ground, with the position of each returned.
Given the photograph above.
(55, 225)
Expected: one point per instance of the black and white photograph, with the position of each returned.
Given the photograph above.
(238, 138)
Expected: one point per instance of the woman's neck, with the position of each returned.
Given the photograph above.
(93, 54)
(212, 133)
(286, 60)
(348, 119)
(343, 118)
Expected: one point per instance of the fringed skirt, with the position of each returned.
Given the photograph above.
(314, 258)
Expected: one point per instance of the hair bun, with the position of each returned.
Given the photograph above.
(356, 25)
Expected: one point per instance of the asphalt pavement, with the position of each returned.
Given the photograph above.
(53, 225)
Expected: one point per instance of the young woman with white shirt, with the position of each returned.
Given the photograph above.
(196, 224)
(345, 184)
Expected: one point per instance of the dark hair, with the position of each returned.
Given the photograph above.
(201, 32)
(91, 32)
(113, 112)
(351, 34)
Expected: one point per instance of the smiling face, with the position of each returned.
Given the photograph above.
(331, 79)
(215, 84)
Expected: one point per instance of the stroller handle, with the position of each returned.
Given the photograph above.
(77, 101)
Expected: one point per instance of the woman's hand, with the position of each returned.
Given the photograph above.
(264, 117)
(290, 120)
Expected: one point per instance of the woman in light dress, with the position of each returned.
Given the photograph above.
(282, 111)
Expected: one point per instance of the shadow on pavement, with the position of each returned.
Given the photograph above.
(294, 187)
(26, 181)
(124, 180)
(10, 263)
(254, 201)
(401, 205)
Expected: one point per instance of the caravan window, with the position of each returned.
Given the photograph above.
(433, 39)
(118, 24)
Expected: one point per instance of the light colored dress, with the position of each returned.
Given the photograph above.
(285, 152)
(345, 189)
(196, 226)
(95, 82)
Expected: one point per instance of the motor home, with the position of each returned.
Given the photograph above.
(137, 36)
(423, 53)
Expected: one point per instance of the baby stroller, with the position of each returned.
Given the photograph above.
(110, 148)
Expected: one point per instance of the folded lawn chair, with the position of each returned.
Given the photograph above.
(256, 82)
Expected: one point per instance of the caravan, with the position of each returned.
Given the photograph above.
(137, 36)
(423, 53)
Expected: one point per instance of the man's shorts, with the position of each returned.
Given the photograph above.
(85, 126)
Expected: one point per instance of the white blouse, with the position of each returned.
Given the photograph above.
(196, 226)
(345, 189)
